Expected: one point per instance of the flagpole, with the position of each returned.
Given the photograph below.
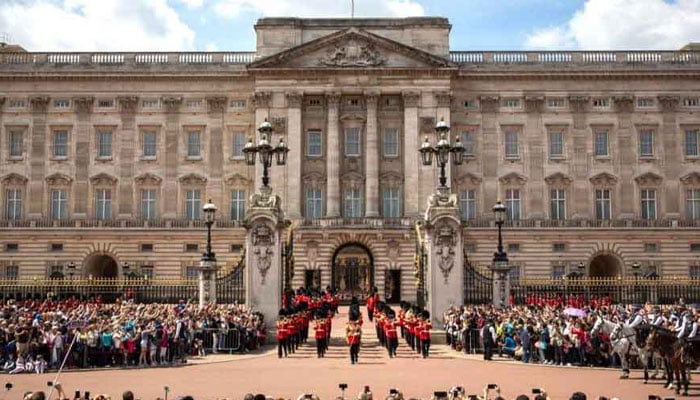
(352, 9)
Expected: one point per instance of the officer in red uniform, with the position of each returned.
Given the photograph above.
(281, 335)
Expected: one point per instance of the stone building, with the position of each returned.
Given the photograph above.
(107, 158)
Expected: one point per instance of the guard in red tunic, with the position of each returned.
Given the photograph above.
(424, 332)
(281, 335)
(320, 335)
(391, 334)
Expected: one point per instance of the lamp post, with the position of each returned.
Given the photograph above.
(500, 256)
(500, 267)
(265, 151)
(635, 269)
(207, 265)
(442, 151)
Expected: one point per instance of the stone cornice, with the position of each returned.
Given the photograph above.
(410, 98)
(83, 105)
(489, 103)
(39, 104)
(332, 99)
(172, 103)
(534, 102)
(103, 179)
(443, 99)
(262, 99)
(128, 103)
(624, 103)
(216, 104)
(579, 104)
(371, 98)
(294, 99)
(669, 102)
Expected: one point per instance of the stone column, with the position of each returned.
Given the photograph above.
(262, 102)
(443, 100)
(37, 156)
(627, 161)
(207, 282)
(411, 156)
(264, 276)
(216, 106)
(81, 136)
(172, 155)
(581, 197)
(673, 155)
(501, 284)
(491, 150)
(294, 134)
(443, 244)
(333, 157)
(372, 158)
(536, 157)
(128, 138)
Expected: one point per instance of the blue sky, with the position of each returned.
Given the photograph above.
(176, 25)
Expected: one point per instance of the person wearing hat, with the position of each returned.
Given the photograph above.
(281, 325)
(320, 335)
(424, 333)
(353, 333)
(391, 334)
(488, 337)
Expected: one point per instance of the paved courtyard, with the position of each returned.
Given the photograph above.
(226, 376)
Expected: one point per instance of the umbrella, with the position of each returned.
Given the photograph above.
(574, 312)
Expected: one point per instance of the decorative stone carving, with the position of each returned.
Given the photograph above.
(649, 179)
(294, 99)
(691, 179)
(314, 180)
(410, 99)
(468, 179)
(262, 99)
(669, 103)
(534, 103)
(579, 104)
(489, 103)
(263, 242)
(353, 181)
(393, 249)
(39, 103)
(427, 124)
(312, 253)
(513, 178)
(58, 179)
(604, 179)
(148, 179)
(83, 105)
(128, 104)
(172, 103)
(624, 104)
(217, 103)
(558, 179)
(13, 179)
(371, 98)
(265, 199)
(442, 198)
(279, 124)
(443, 99)
(444, 249)
(333, 99)
(391, 179)
(355, 52)
(192, 180)
(103, 179)
(237, 180)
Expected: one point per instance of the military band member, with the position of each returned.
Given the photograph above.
(320, 335)
(424, 332)
(353, 332)
(281, 336)
(391, 335)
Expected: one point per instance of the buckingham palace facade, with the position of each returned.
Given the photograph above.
(107, 158)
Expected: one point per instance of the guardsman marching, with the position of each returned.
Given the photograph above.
(391, 335)
(281, 336)
(353, 332)
(425, 327)
(320, 335)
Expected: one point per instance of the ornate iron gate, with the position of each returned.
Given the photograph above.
(478, 285)
(230, 288)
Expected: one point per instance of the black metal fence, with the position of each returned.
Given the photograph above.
(230, 288)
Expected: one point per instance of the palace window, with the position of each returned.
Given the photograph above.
(60, 144)
(147, 271)
(193, 204)
(352, 142)
(314, 143)
(645, 102)
(17, 103)
(61, 103)
(692, 142)
(511, 144)
(513, 204)
(600, 145)
(238, 143)
(467, 204)
(467, 138)
(602, 102)
(648, 203)
(556, 144)
(191, 272)
(692, 203)
(470, 103)
(651, 247)
(314, 203)
(192, 247)
(555, 102)
(694, 271)
(148, 204)
(691, 102)
(105, 103)
(559, 247)
(390, 142)
(59, 204)
(11, 247)
(150, 103)
(56, 247)
(11, 272)
(511, 103)
(353, 203)
(237, 205)
(146, 247)
(194, 147)
(13, 204)
(103, 204)
(391, 203)
(557, 201)
(104, 144)
(646, 143)
(15, 140)
(558, 271)
(238, 104)
(602, 204)
(148, 144)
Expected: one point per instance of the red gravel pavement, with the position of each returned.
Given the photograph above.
(304, 373)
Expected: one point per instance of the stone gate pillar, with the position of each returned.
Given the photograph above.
(443, 242)
(263, 275)
(207, 282)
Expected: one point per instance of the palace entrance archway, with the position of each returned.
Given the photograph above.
(101, 266)
(352, 271)
(605, 265)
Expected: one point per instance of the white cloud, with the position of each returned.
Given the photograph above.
(89, 25)
(319, 8)
(624, 24)
(192, 3)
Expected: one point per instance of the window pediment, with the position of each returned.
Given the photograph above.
(103, 179)
(14, 180)
(391, 179)
(237, 180)
(648, 179)
(558, 179)
(691, 179)
(59, 179)
(513, 178)
(468, 179)
(148, 179)
(353, 180)
(192, 180)
(604, 179)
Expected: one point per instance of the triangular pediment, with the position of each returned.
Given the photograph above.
(351, 48)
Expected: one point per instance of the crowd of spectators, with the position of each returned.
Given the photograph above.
(36, 335)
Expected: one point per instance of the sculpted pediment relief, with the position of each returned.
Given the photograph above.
(148, 179)
(14, 179)
(649, 179)
(314, 180)
(58, 179)
(351, 48)
(237, 180)
(391, 179)
(558, 178)
(604, 179)
(513, 178)
(192, 179)
(103, 179)
(468, 179)
(691, 179)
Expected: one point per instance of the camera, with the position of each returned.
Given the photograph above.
(440, 395)
(536, 391)
(343, 386)
(492, 386)
(308, 396)
(8, 386)
(393, 391)
(49, 383)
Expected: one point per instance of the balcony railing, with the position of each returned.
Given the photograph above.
(128, 59)
(576, 57)
(359, 222)
(115, 224)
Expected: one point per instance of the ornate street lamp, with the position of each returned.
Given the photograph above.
(209, 215)
(265, 151)
(442, 151)
(500, 257)
(500, 267)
